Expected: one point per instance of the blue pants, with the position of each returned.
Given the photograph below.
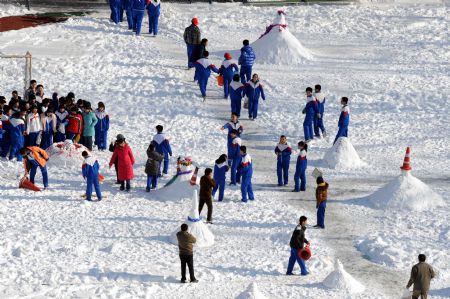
(115, 14)
(153, 24)
(321, 214)
(300, 181)
(308, 128)
(318, 125)
(152, 181)
(295, 258)
(202, 83)
(342, 132)
(101, 139)
(59, 137)
(33, 169)
(93, 181)
(5, 144)
(16, 145)
(226, 87)
(138, 16)
(32, 139)
(71, 136)
(190, 49)
(253, 108)
(236, 106)
(283, 171)
(221, 186)
(165, 166)
(245, 73)
(120, 13)
(47, 140)
(246, 188)
(129, 12)
(234, 176)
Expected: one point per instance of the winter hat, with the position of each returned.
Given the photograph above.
(227, 56)
(194, 21)
(120, 137)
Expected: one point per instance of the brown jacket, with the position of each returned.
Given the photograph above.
(321, 193)
(185, 243)
(421, 275)
(206, 186)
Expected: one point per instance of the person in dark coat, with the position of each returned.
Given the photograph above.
(297, 242)
(192, 38)
(186, 243)
(152, 167)
(421, 276)
(207, 184)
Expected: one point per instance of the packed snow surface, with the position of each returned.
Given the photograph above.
(342, 280)
(252, 292)
(405, 192)
(342, 155)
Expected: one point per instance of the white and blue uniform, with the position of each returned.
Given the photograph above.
(153, 11)
(90, 170)
(49, 126)
(246, 169)
(283, 152)
(162, 146)
(138, 14)
(253, 91)
(16, 129)
(227, 70)
(34, 127)
(101, 129)
(235, 157)
(115, 6)
(236, 91)
(300, 171)
(230, 126)
(61, 123)
(203, 68)
(318, 121)
(344, 120)
(311, 111)
(220, 171)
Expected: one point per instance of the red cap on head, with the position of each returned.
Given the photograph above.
(195, 21)
(227, 56)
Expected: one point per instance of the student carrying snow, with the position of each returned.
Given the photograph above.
(246, 61)
(152, 167)
(220, 169)
(34, 127)
(34, 157)
(235, 156)
(283, 151)
(207, 184)
(153, 11)
(297, 242)
(162, 146)
(344, 120)
(311, 110)
(236, 91)
(253, 90)
(203, 68)
(233, 124)
(101, 127)
(318, 118)
(300, 168)
(90, 170)
(186, 243)
(125, 162)
(227, 70)
(246, 171)
(61, 122)
(321, 201)
(48, 120)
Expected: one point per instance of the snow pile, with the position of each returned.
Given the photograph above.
(252, 292)
(280, 46)
(197, 227)
(343, 155)
(405, 192)
(66, 153)
(341, 280)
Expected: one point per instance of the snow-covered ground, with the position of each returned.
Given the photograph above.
(392, 63)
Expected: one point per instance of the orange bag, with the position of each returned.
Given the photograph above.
(219, 80)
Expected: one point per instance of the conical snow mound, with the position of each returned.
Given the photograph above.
(66, 154)
(339, 279)
(252, 292)
(405, 192)
(343, 155)
(197, 227)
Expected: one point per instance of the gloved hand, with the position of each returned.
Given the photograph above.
(304, 111)
(318, 115)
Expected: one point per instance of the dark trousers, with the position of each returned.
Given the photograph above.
(87, 142)
(421, 294)
(128, 185)
(189, 261)
(208, 202)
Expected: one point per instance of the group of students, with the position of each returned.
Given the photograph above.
(37, 120)
(135, 11)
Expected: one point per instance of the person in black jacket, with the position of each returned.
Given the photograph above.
(297, 242)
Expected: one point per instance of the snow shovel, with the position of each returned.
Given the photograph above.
(25, 183)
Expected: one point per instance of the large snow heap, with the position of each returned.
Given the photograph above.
(342, 155)
(66, 153)
(252, 292)
(339, 279)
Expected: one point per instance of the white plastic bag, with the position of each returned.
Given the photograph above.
(39, 138)
(246, 103)
(407, 294)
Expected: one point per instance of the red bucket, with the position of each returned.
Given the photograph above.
(305, 253)
(220, 80)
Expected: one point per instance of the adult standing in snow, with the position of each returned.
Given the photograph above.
(253, 90)
(300, 168)
(89, 122)
(163, 147)
(421, 276)
(203, 68)
(90, 171)
(283, 151)
(227, 70)
(311, 110)
(138, 14)
(344, 120)
(153, 11)
(220, 169)
(34, 157)
(186, 243)
(246, 171)
(112, 148)
(30, 91)
(297, 242)
(318, 119)
(321, 201)
(192, 38)
(125, 161)
(246, 61)
(207, 184)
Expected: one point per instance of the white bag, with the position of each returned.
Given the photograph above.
(39, 139)
(316, 173)
(246, 103)
(407, 294)
(62, 128)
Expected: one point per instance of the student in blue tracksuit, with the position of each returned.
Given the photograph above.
(227, 70)
(300, 168)
(203, 68)
(153, 11)
(318, 118)
(236, 91)
(220, 170)
(6, 126)
(233, 124)
(128, 7)
(246, 61)
(138, 14)
(253, 90)
(115, 10)
(17, 130)
(90, 174)
(162, 146)
(235, 156)
(344, 120)
(101, 127)
(310, 111)
(61, 122)
(283, 151)
(49, 128)
(246, 169)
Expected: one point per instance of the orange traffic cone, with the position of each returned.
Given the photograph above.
(178, 165)
(193, 181)
(406, 162)
(25, 183)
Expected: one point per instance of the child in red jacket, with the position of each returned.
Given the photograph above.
(75, 124)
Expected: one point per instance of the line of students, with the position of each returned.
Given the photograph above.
(135, 11)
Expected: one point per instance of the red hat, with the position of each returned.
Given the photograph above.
(194, 21)
(227, 56)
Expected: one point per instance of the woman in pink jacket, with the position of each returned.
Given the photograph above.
(125, 161)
